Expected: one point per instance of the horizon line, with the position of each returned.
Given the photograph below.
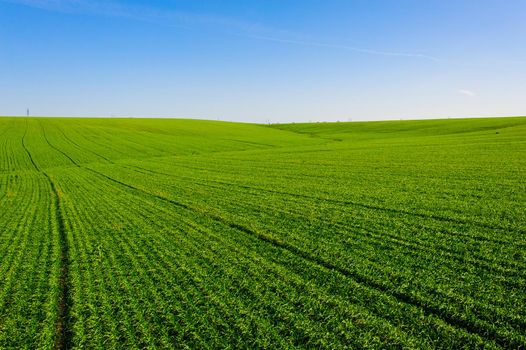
(349, 120)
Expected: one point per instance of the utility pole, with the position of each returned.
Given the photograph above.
(28, 112)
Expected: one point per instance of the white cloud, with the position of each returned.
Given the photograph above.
(466, 92)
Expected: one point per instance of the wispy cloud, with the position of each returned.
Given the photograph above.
(346, 47)
(465, 92)
(187, 19)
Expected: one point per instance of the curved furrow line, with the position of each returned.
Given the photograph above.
(130, 141)
(472, 326)
(152, 218)
(479, 328)
(87, 132)
(62, 340)
(83, 148)
(158, 262)
(506, 268)
(58, 149)
(421, 248)
(509, 264)
(509, 268)
(482, 310)
(372, 207)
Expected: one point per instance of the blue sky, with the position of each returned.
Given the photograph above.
(263, 60)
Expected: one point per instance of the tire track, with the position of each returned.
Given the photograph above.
(56, 148)
(480, 264)
(62, 331)
(368, 206)
(478, 328)
(507, 268)
(356, 204)
(84, 148)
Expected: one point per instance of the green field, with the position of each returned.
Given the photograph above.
(142, 233)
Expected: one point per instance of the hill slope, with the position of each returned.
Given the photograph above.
(126, 233)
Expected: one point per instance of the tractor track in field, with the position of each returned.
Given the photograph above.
(475, 328)
(84, 148)
(368, 206)
(328, 200)
(504, 268)
(62, 330)
(430, 310)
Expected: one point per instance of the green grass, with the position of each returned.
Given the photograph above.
(141, 233)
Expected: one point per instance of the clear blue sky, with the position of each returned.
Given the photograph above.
(259, 60)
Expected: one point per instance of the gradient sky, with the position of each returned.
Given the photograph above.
(263, 60)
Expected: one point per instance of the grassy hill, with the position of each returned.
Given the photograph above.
(127, 233)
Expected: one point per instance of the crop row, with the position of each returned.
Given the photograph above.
(479, 300)
(425, 301)
(112, 238)
(29, 250)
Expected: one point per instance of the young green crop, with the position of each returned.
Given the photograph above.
(135, 233)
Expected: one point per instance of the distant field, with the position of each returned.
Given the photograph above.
(137, 233)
